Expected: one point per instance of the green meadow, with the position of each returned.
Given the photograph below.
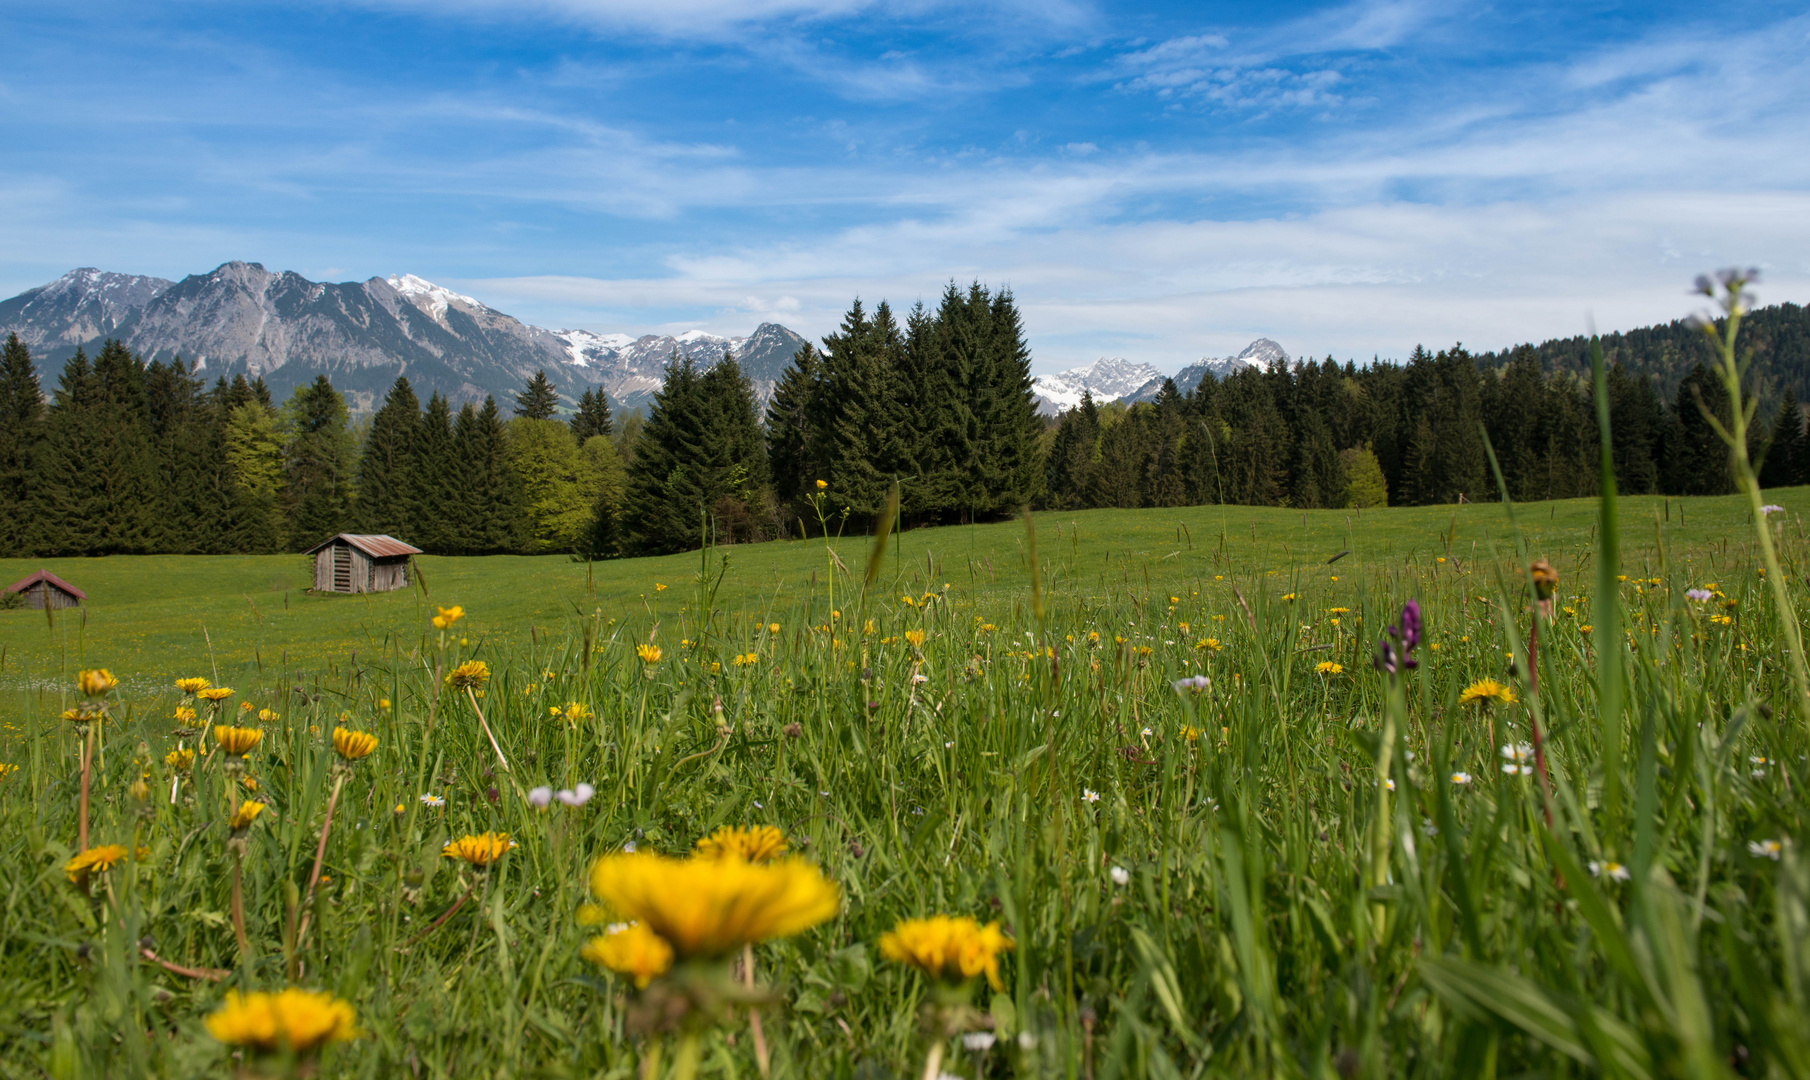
(1150, 748)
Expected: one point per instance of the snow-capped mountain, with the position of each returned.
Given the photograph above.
(244, 319)
(1108, 379)
(1258, 354)
(78, 307)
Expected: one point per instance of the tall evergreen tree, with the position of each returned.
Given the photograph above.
(790, 438)
(1784, 450)
(1012, 426)
(320, 464)
(21, 429)
(176, 408)
(434, 492)
(386, 465)
(490, 500)
(96, 490)
(1696, 459)
(860, 438)
(539, 400)
(701, 457)
(592, 417)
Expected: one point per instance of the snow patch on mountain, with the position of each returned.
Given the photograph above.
(1258, 354)
(431, 298)
(1107, 379)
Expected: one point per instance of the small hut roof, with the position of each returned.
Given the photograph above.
(29, 580)
(377, 547)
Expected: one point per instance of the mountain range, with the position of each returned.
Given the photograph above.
(1113, 378)
(243, 319)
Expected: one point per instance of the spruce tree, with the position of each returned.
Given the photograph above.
(434, 511)
(1785, 452)
(1013, 426)
(789, 435)
(539, 400)
(491, 490)
(386, 465)
(21, 429)
(319, 465)
(862, 443)
(592, 417)
(175, 415)
(665, 487)
(97, 488)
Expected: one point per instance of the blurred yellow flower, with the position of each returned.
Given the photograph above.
(480, 850)
(712, 907)
(821, 484)
(298, 1021)
(1486, 692)
(95, 682)
(471, 675)
(947, 948)
(630, 950)
(447, 616)
(192, 686)
(914, 637)
(352, 745)
(758, 843)
(180, 760)
(98, 860)
(247, 813)
(773, 628)
(237, 741)
(215, 694)
(268, 716)
(184, 715)
(1208, 644)
(649, 654)
(1328, 667)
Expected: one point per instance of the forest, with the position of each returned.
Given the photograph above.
(127, 457)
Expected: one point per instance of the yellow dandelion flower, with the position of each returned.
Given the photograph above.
(1208, 645)
(184, 715)
(772, 628)
(947, 948)
(299, 1021)
(480, 850)
(759, 843)
(215, 694)
(7, 769)
(249, 783)
(180, 760)
(95, 682)
(471, 675)
(192, 686)
(1328, 667)
(1486, 692)
(630, 950)
(268, 716)
(649, 654)
(98, 860)
(237, 741)
(446, 616)
(914, 637)
(352, 745)
(712, 907)
(822, 484)
(247, 813)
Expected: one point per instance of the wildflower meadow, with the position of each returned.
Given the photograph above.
(1489, 810)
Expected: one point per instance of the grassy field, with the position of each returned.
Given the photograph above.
(1293, 865)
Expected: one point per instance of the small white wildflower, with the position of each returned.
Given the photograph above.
(1388, 783)
(1772, 508)
(629, 847)
(577, 796)
(919, 677)
(1765, 849)
(950, 745)
(825, 794)
(758, 806)
(1461, 778)
(1027, 1041)
(1517, 751)
(1517, 770)
(1089, 795)
(978, 1041)
(1147, 733)
(1427, 826)
(1121, 876)
(1612, 870)
(539, 797)
(432, 800)
(1759, 774)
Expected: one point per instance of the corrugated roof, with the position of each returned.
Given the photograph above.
(29, 580)
(377, 547)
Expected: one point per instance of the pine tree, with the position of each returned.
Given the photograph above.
(319, 465)
(97, 484)
(666, 495)
(490, 490)
(1785, 451)
(539, 400)
(434, 509)
(1696, 457)
(1012, 426)
(860, 440)
(175, 415)
(386, 465)
(789, 434)
(21, 429)
(592, 417)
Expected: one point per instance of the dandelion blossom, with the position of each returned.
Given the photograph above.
(247, 813)
(215, 694)
(96, 682)
(179, 760)
(471, 675)
(447, 616)
(1328, 667)
(649, 654)
(914, 637)
(1486, 692)
(192, 686)
(947, 948)
(352, 745)
(480, 850)
(299, 1021)
(237, 741)
(96, 860)
(712, 907)
(759, 843)
(630, 950)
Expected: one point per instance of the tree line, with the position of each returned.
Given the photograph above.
(128, 457)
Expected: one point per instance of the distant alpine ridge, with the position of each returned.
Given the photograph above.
(244, 319)
(1116, 379)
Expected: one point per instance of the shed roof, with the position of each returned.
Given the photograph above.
(377, 547)
(29, 580)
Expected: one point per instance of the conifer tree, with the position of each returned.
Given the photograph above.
(97, 486)
(434, 494)
(539, 400)
(320, 464)
(490, 489)
(21, 429)
(592, 416)
(1012, 425)
(666, 496)
(1696, 457)
(1785, 451)
(386, 465)
(253, 438)
(861, 443)
(789, 435)
(176, 415)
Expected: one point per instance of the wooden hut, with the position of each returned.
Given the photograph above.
(46, 590)
(354, 563)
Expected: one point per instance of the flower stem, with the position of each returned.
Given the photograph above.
(933, 1061)
(81, 842)
(442, 919)
(239, 911)
(761, 1057)
(314, 877)
(685, 1066)
(501, 760)
(650, 1061)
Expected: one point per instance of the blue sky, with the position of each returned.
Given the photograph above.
(1156, 182)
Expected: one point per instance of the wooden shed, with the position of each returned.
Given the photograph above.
(46, 590)
(354, 563)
